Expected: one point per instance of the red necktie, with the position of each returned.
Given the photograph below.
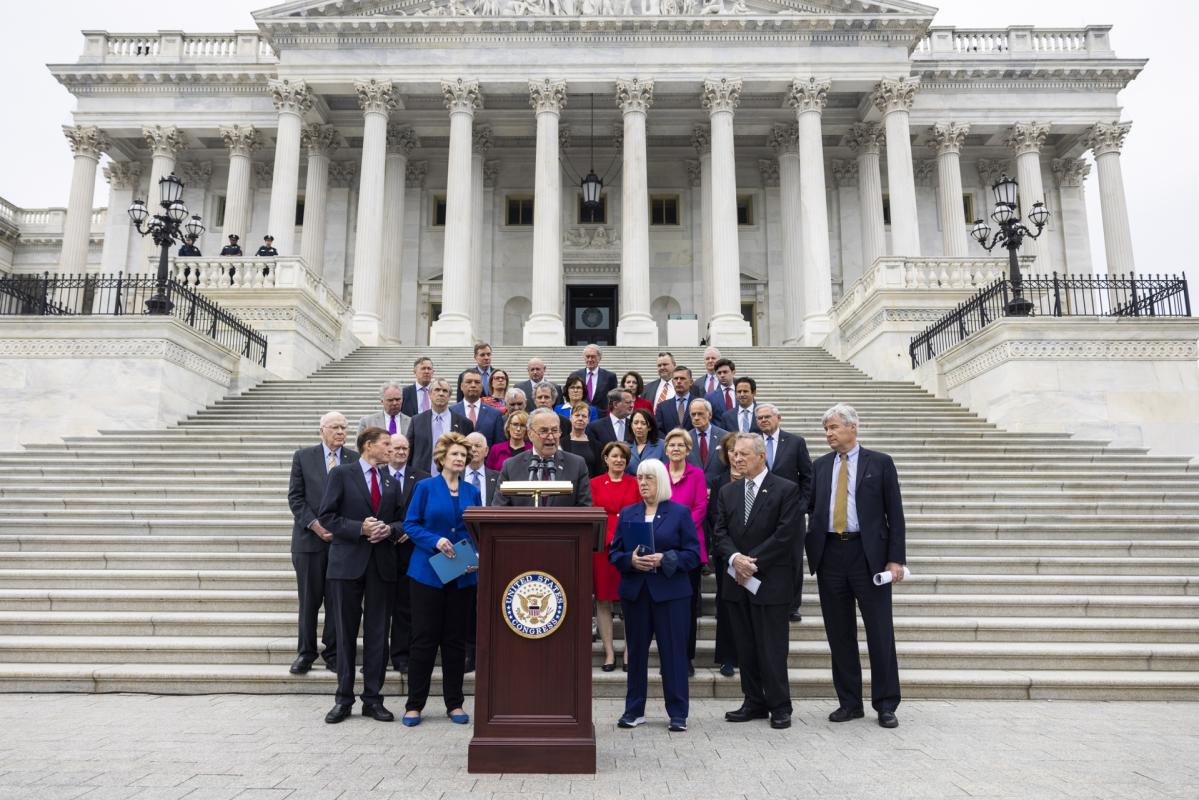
(376, 495)
(703, 448)
(728, 398)
(474, 417)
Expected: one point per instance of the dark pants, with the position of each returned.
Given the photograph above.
(667, 622)
(762, 634)
(401, 614)
(843, 578)
(695, 575)
(726, 648)
(797, 599)
(438, 622)
(365, 601)
(310, 587)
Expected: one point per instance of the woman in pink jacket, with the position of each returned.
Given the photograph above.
(689, 487)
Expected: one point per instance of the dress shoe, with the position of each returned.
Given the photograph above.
(887, 719)
(469, 665)
(677, 726)
(744, 714)
(728, 670)
(338, 713)
(331, 665)
(780, 720)
(795, 616)
(690, 670)
(846, 714)
(378, 712)
(300, 666)
(629, 722)
(400, 665)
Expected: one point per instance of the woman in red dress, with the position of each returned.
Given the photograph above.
(611, 491)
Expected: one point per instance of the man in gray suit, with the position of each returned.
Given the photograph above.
(390, 418)
(310, 540)
(536, 369)
(545, 461)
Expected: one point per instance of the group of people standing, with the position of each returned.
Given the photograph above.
(729, 501)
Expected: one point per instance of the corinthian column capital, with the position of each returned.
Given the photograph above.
(196, 174)
(290, 96)
(809, 95)
(866, 138)
(784, 139)
(320, 140)
(401, 140)
(768, 168)
(241, 140)
(701, 139)
(86, 140)
(376, 96)
(481, 139)
(415, 174)
(1106, 137)
(895, 94)
(462, 95)
(1070, 171)
(845, 173)
(947, 137)
(634, 94)
(164, 140)
(547, 95)
(1023, 138)
(123, 174)
(723, 94)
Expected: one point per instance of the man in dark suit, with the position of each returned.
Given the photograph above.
(674, 413)
(787, 457)
(756, 520)
(743, 419)
(483, 365)
(721, 397)
(487, 481)
(428, 426)
(536, 370)
(597, 381)
(400, 628)
(363, 507)
(705, 438)
(416, 395)
(708, 381)
(483, 418)
(310, 539)
(615, 426)
(856, 531)
(545, 461)
(659, 389)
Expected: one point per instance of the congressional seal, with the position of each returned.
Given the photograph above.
(534, 604)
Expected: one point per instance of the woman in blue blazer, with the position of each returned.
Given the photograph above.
(655, 594)
(439, 611)
(646, 443)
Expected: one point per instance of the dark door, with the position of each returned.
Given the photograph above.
(590, 315)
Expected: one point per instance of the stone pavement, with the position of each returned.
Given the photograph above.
(228, 746)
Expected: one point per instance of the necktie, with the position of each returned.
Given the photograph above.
(841, 498)
(703, 449)
(662, 394)
(474, 481)
(474, 415)
(618, 427)
(424, 398)
(391, 426)
(711, 383)
(590, 386)
(728, 398)
(745, 421)
(376, 495)
(682, 402)
(750, 492)
(770, 452)
(437, 431)
(331, 463)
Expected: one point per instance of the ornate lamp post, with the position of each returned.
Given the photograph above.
(1011, 235)
(166, 229)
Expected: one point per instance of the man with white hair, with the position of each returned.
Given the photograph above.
(597, 381)
(390, 418)
(429, 426)
(536, 370)
(546, 461)
(310, 467)
(487, 481)
(400, 626)
(710, 381)
(856, 531)
(787, 456)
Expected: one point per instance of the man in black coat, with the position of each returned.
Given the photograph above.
(428, 426)
(745, 412)
(787, 456)
(857, 530)
(487, 481)
(233, 248)
(268, 247)
(545, 461)
(400, 629)
(756, 521)
(483, 365)
(705, 438)
(675, 412)
(614, 426)
(363, 508)
(310, 467)
(597, 381)
(416, 394)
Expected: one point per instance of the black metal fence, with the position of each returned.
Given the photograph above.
(119, 295)
(1057, 296)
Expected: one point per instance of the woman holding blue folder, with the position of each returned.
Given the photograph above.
(439, 611)
(654, 548)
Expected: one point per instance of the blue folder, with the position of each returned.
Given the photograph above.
(449, 569)
(635, 534)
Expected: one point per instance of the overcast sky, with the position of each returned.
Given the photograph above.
(1159, 156)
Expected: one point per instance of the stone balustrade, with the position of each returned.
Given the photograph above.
(166, 47)
(919, 274)
(46, 222)
(1017, 41)
(250, 272)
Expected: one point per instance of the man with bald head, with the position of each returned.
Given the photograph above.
(400, 625)
(597, 381)
(536, 369)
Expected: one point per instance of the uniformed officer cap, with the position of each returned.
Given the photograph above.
(269, 237)
(233, 236)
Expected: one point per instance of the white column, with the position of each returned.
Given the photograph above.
(481, 141)
(847, 265)
(123, 180)
(946, 139)
(87, 143)
(636, 326)
(320, 142)
(727, 327)
(1070, 174)
(866, 140)
(808, 98)
(785, 141)
(1105, 141)
(701, 140)
(545, 325)
(401, 141)
(1025, 142)
(166, 142)
(454, 326)
(377, 99)
(893, 97)
(241, 141)
(291, 100)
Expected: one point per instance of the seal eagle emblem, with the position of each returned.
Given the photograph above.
(534, 604)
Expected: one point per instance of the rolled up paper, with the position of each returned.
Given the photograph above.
(884, 577)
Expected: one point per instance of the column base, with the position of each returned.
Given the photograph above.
(367, 328)
(544, 330)
(451, 331)
(637, 330)
(730, 331)
(816, 329)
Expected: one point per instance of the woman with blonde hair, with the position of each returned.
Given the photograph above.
(516, 439)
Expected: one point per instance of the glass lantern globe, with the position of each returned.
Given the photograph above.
(1005, 190)
(138, 212)
(1003, 213)
(1038, 215)
(592, 186)
(177, 212)
(980, 231)
(170, 190)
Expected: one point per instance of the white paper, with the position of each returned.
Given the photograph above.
(884, 577)
(752, 585)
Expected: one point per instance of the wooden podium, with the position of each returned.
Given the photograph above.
(533, 687)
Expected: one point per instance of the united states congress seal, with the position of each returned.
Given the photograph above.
(534, 604)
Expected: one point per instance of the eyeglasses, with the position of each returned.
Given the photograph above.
(547, 431)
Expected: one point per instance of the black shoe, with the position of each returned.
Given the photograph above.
(338, 713)
(331, 665)
(400, 665)
(795, 617)
(690, 670)
(378, 712)
(300, 666)
(780, 720)
(728, 670)
(609, 666)
(887, 719)
(677, 726)
(744, 714)
(846, 714)
(624, 665)
(470, 665)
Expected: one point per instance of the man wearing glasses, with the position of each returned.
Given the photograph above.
(546, 462)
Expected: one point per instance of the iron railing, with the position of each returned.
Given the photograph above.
(1057, 296)
(119, 295)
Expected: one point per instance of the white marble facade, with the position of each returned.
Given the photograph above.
(371, 112)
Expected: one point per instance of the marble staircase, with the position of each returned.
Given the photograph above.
(1044, 566)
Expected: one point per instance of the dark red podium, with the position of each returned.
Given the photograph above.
(533, 687)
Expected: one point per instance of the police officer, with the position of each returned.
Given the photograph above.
(268, 247)
(233, 248)
(189, 248)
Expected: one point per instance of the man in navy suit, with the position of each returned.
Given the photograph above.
(310, 539)
(487, 481)
(428, 426)
(416, 396)
(363, 507)
(673, 413)
(483, 365)
(722, 397)
(660, 389)
(757, 519)
(400, 629)
(705, 438)
(483, 418)
(597, 381)
(857, 530)
(787, 457)
(743, 419)
(615, 425)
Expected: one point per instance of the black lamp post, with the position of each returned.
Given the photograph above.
(1011, 235)
(592, 185)
(166, 229)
